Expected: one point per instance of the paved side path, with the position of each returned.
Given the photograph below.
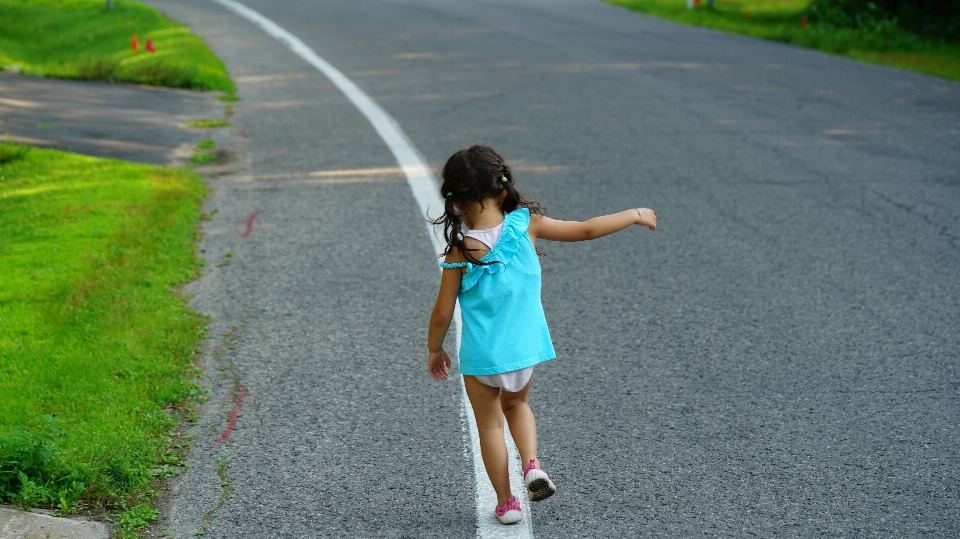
(123, 121)
(17, 524)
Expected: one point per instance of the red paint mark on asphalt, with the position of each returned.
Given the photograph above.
(233, 423)
(234, 412)
(249, 225)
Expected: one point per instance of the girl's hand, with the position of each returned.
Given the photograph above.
(647, 218)
(438, 365)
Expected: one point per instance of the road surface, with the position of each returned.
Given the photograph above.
(779, 359)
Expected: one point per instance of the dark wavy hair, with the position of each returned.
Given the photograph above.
(472, 175)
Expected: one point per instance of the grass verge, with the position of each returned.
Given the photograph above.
(80, 39)
(210, 123)
(780, 20)
(96, 347)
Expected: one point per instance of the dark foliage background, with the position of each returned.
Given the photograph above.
(939, 18)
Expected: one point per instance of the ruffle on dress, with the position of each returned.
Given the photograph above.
(514, 227)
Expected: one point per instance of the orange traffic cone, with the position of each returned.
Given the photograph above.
(149, 46)
(134, 43)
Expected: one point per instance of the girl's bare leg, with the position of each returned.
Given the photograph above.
(485, 401)
(523, 426)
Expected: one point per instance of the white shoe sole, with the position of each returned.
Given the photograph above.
(510, 517)
(539, 485)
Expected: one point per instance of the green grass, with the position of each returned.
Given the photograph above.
(12, 152)
(779, 20)
(80, 39)
(140, 516)
(209, 123)
(200, 158)
(96, 347)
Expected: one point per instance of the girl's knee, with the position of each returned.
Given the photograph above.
(489, 422)
(509, 401)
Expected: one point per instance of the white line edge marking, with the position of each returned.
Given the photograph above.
(425, 191)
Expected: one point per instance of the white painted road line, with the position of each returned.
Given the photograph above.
(426, 192)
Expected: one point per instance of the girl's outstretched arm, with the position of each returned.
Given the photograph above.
(438, 362)
(552, 229)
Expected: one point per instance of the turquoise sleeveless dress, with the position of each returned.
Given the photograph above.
(504, 328)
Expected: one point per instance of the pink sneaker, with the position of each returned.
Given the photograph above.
(510, 512)
(539, 485)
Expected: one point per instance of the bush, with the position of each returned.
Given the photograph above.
(937, 18)
(879, 36)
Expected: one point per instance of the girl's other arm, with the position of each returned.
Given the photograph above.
(438, 362)
(597, 227)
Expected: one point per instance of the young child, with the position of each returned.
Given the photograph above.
(491, 265)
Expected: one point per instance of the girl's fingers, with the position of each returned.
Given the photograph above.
(439, 367)
(439, 372)
(649, 218)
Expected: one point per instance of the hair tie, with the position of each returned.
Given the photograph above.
(503, 179)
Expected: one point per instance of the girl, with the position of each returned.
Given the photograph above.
(492, 267)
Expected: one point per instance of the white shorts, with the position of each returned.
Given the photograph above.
(512, 381)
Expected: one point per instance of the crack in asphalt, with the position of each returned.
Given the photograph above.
(944, 231)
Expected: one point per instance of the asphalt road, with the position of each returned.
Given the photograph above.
(779, 359)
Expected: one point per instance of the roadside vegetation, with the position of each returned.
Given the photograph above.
(81, 39)
(203, 153)
(96, 345)
(891, 32)
(210, 123)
